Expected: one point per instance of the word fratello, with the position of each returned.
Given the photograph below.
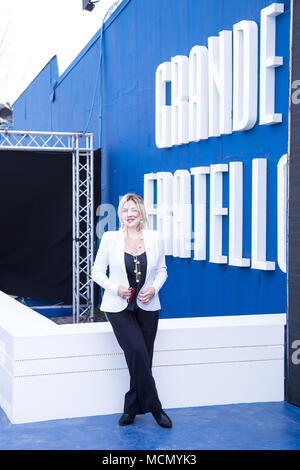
(214, 90)
(171, 210)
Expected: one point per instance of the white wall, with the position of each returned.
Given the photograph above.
(50, 371)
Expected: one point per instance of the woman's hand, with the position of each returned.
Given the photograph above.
(124, 292)
(146, 295)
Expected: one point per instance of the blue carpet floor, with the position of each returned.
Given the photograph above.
(257, 426)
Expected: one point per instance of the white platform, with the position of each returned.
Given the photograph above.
(50, 371)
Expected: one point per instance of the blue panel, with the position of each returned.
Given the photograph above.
(32, 110)
(147, 34)
(141, 35)
(69, 103)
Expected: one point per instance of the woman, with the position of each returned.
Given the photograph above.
(137, 271)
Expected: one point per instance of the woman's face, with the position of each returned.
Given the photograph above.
(131, 216)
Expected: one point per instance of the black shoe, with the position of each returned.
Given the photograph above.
(162, 419)
(126, 419)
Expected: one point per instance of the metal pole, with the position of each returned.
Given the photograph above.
(77, 239)
(91, 226)
(74, 218)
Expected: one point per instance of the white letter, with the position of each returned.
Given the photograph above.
(216, 213)
(220, 83)
(180, 96)
(236, 215)
(198, 95)
(164, 208)
(182, 214)
(268, 62)
(245, 59)
(162, 111)
(151, 210)
(281, 212)
(200, 211)
(259, 216)
(109, 220)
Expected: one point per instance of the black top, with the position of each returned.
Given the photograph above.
(132, 278)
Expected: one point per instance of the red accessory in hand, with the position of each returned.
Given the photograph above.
(132, 291)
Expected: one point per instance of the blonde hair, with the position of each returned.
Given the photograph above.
(140, 205)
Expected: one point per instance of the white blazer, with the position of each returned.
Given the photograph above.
(111, 255)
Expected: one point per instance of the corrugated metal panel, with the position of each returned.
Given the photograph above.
(145, 34)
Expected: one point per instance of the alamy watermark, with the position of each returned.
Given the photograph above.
(295, 358)
(296, 93)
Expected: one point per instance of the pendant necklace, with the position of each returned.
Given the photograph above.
(136, 261)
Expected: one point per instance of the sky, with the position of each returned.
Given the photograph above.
(33, 31)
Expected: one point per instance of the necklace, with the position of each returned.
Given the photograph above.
(133, 252)
(134, 247)
(137, 268)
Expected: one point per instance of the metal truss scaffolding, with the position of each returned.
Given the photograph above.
(80, 147)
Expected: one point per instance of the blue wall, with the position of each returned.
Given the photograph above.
(66, 103)
(140, 35)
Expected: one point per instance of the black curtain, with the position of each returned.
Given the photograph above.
(36, 223)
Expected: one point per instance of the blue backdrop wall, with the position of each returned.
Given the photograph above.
(139, 36)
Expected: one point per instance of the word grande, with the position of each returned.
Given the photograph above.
(214, 90)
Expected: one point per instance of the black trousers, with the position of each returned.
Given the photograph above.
(135, 332)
